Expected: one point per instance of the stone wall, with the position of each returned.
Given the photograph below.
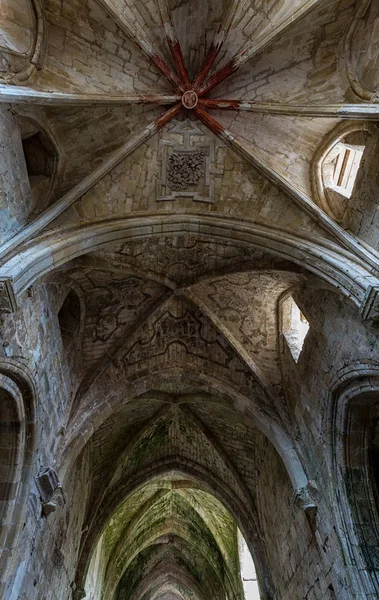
(145, 372)
(15, 193)
(304, 556)
(337, 342)
(47, 546)
(363, 215)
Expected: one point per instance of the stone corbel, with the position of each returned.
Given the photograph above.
(8, 301)
(370, 305)
(51, 491)
(304, 499)
(78, 593)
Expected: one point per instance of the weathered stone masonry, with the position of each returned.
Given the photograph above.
(189, 300)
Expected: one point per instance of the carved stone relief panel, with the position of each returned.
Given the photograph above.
(187, 156)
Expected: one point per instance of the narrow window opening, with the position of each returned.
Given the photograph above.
(248, 573)
(295, 327)
(40, 159)
(69, 319)
(346, 165)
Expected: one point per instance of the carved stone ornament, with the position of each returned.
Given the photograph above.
(51, 491)
(190, 99)
(185, 169)
(187, 155)
(305, 501)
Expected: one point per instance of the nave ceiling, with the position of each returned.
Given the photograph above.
(180, 143)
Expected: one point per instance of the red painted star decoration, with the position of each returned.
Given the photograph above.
(192, 95)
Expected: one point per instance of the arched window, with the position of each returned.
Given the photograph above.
(295, 326)
(248, 574)
(354, 432)
(16, 453)
(373, 456)
(9, 450)
(336, 167)
(362, 476)
(69, 319)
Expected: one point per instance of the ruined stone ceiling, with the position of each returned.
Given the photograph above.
(180, 210)
(163, 518)
(183, 112)
(199, 116)
(253, 87)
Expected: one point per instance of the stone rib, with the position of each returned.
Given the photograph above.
(341, 111)
(287, 188)
(173, 42)
(24, 95)
(347, 272)
(137, 35)
(88, 182)
(193, 297)
(218, 42)
(247, 54)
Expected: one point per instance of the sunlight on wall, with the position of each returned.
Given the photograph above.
(93, 584)
(248, 575)
(295, 327)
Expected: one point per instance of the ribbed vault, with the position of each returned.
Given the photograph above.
(175, 525)
(178, 203)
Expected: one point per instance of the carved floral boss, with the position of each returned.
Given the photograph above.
(188, 165)
(192, 94)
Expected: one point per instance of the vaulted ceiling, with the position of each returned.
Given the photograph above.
(182, 207)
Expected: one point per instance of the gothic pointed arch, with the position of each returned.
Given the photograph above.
(17, 441)
(189, 299)
(169, 481)
(353, 419)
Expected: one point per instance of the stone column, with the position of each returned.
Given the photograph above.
(15, 193)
